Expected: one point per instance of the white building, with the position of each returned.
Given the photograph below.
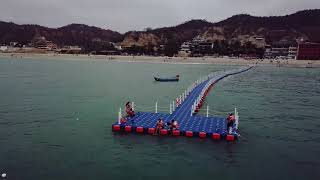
(198, 39)
(260, 42)
(12, 44)
(3, 48)
(267, 53)
(118, 47)
(292, 52)
(185, 49)
(71, 49)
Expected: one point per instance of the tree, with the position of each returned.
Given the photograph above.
(235, 48)
(171, 48)
(149, 49)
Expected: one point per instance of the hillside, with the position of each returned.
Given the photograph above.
(73, 34)
(304, 24)
(176, 34)
(301, 24)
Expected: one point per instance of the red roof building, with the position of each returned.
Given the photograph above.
(308, 51)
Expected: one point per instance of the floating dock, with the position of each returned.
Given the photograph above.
(184, 109)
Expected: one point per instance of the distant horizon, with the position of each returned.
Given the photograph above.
(115, 30)
(135, 15)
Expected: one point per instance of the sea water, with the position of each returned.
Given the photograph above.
(56, 116)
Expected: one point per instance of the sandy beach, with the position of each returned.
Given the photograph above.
(173, 60)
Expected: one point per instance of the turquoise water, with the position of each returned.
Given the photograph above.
(56, 116)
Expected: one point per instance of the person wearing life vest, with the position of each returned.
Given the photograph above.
(129, 110)
(175, 125)
(159, 126)
(230, 121)
(123, 121)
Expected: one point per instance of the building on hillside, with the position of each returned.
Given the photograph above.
(283, 49)
(46, 45)
(267, 52)
(125, 47)
(13, 44)
(40, 42)
(258, 38)
(205, 47)
(198, 39)
(3, 48)
(279, 52)
(162, 47)
(292, 54)
(202, 48)
(13, 49)
(185, 49)
(71, 50)
(308, 51)
(258, 41)
(117, 47)
(197, 47)
(51, 45)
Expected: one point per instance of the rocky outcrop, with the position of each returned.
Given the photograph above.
(214, 34)
(140, 39)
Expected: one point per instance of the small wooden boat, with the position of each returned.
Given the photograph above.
(176, 78)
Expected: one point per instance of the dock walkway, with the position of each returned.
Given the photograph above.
(184, 109)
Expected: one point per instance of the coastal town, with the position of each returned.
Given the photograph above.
(197, 47)
(39, 44)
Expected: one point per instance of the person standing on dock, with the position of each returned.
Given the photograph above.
(129, 110)
(173, 125)
(230, 122)
(159, 126)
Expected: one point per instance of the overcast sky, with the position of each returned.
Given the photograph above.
(125, 15)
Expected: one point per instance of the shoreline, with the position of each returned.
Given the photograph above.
(166, 60)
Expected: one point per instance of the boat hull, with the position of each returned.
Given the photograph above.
(166, 79)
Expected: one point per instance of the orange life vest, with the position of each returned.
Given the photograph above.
(123, 120)
(231, 118)
(159, 124)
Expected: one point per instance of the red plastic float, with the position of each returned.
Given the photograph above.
(176, 133)
(139, 129)
(116, 128)
(163, 132)
(189, 133)
(202, 134)
(230, 137)
(216, 136)
(127, 129)
(151, 130)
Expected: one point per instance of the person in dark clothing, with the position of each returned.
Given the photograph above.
(173, 125)
(230, 121)
(170, 125)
